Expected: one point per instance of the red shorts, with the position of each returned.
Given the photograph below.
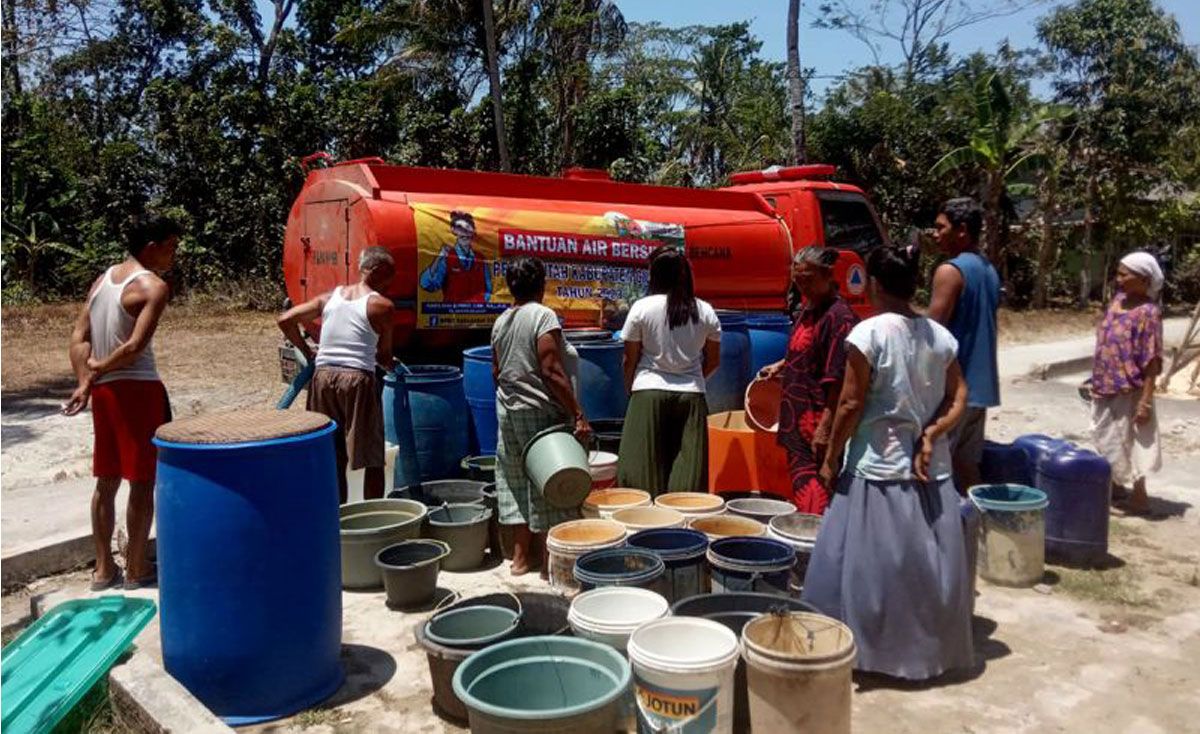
(125, 415)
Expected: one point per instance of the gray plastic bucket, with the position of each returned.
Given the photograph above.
(563, 685)
(464, 527)
(557, 466)
(410, 571)
(799, 530)
(369, 527)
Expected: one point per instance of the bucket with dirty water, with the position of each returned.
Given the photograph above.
(691, 504)
(602, 503)
(682, 551)
(1012, 545)
(645, 518)
(568, 541)
(727, 526)
(563, 685)
(683, 672)
(798, 669)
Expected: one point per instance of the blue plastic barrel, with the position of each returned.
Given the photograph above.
(1005, 463)
(769, 334)
(249, 571)
(438, 411)
(682, 552)
(1077, 482)
(481, 398)
(726, 388)
(601, 382)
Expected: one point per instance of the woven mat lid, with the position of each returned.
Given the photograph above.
(242, 426)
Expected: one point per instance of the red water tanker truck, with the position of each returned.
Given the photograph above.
(452, 233)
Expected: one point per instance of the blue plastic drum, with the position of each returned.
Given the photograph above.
(769, 334)
(1078, 483)
(1005, 463)
(249, 562)
(725, 390)
(481, 398)
(439, 416)
(601, 379)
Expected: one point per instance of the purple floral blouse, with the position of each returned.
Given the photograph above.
(1126, 342)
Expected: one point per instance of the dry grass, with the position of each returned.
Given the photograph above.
(1118, 586)
(1052, 324)
(197, 345)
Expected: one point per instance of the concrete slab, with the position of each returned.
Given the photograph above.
(153, 702)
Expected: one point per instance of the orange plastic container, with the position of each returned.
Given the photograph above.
(741, 459)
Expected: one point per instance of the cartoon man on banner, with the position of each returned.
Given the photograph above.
(458, 272)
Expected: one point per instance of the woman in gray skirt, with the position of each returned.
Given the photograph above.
(889, 560)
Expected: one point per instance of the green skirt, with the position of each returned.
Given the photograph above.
(664, 445)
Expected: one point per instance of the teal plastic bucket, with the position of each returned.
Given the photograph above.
(473, 626)
(557, 466)
(1012, 544)
(563, 685)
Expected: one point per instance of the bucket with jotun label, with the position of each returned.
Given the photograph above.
(683, 675)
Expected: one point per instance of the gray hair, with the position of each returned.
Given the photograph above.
(821, 257)
(373, 257)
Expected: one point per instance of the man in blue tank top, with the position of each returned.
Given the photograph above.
(966, 294)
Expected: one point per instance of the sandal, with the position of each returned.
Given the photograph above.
(148, 581)
(109, 583)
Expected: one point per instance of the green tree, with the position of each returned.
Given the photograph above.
(1124, 67)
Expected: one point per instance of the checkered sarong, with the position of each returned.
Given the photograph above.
(517, 499)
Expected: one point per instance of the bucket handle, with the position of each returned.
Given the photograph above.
(455, 596)
(677, 727)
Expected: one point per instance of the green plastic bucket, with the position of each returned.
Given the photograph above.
(563, 685)
(1012, 543)
(557, 465)
(463, 527)
(369, 527)
(473, 626)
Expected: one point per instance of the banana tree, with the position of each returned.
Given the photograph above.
(1000, 151)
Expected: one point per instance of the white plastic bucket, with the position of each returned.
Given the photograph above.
(602, 465)
(683, 673)
(611, 614)
(356, 477)
(602, 503)
(691, 504)
(570, 540)
(646, 518)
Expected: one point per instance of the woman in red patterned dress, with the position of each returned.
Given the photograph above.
(812, 374)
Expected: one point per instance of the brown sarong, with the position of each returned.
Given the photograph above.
(351, 398)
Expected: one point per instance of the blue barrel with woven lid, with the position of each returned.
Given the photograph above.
(1077, 482)
(249, 563)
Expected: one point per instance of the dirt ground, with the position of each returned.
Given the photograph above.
(1086, 651)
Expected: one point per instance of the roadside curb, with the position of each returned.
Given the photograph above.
(1050, 370)
(57, 554)
(150, 700)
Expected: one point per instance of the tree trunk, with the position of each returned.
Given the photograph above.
(1089, 227)
(12, 47)
(992, 221)
(796, 83)
(493, 63)
(1046, 249)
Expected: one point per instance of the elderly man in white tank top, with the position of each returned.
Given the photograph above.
(114, 365)
(356, 335)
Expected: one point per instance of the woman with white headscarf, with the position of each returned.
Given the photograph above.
(1128, 359)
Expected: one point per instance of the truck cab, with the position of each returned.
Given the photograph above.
(821, 212)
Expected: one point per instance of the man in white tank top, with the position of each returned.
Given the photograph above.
(356, 335)
(114, 365)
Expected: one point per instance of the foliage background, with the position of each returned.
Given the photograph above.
(203, 109)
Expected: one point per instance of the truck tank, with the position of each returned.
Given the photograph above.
(452, 232)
